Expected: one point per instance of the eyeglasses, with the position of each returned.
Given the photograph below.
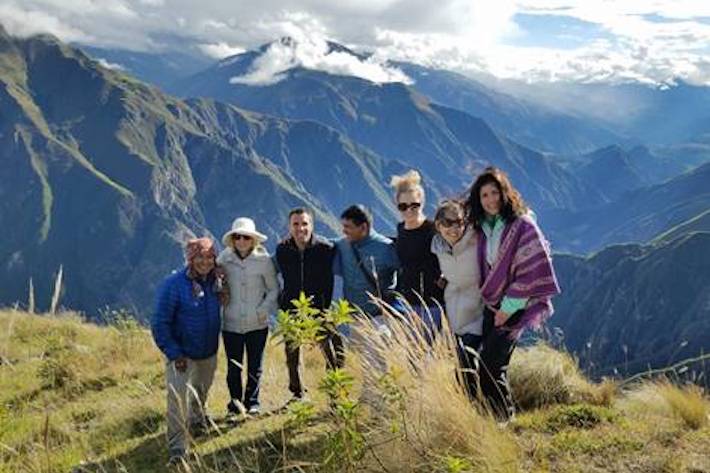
(449, 223)
(403, 206)
(238, 237)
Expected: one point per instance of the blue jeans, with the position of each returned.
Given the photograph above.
(234, 345)
(428, 316)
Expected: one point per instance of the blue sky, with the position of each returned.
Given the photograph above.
(555, 31)
(651, 41)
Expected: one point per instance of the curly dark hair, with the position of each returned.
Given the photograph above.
(512, 206)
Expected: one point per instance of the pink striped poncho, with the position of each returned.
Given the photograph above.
(523, 269)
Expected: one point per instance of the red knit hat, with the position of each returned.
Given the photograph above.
(199, 246)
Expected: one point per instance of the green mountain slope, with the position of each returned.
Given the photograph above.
(105, 175)
(632, 307)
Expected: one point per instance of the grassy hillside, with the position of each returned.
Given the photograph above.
(77, 397)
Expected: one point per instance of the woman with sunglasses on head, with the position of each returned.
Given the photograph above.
(455, 247)
(417, 279)
(254, 293)
(518, 280)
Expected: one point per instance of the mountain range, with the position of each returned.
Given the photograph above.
(638, 215)
(105, 175)
(630, 308)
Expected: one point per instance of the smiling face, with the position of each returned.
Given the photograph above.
(410, 205)
(491, 199)
(243, 243)
(354, 232)
(300, 227)
(451, 226)
(203, 264)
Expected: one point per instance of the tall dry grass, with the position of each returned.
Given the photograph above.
(687, 404)
(108, 412)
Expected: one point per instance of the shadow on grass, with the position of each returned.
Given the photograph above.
(283, 448)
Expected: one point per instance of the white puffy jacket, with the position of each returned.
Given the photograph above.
(459, 265)
(253, 290)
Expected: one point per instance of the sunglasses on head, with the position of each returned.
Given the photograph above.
(403, 206)
(241, 237)
(451, 222)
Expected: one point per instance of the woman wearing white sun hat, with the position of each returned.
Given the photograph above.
(254, 293)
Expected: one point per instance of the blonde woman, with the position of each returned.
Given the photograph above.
(254, 293)
(419, 273)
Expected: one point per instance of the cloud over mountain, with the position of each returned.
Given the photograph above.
(535, 40)
(315, 53)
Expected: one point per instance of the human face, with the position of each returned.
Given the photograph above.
(354, 232)
(451, 228)
(300, 226)
(491, 199)
(203, 264)
(409, 205)
(243, 243)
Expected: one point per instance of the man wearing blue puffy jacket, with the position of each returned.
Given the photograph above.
(186, 327)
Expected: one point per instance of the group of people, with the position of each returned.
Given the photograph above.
(482, 259)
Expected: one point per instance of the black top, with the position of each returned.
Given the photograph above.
(310, 271)
(419, 266)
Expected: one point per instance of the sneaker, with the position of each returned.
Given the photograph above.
(254, 411)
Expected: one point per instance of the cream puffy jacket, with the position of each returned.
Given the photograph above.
(459, 265)
(253, 290)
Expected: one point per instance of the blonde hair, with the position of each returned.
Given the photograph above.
(411, 181)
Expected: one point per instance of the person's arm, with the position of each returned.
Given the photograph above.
(337, 263)
(269, 304)
(394, 263)
(511, 305)
(163, 320)
(278, 256)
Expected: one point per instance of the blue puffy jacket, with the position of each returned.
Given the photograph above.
(183, 324)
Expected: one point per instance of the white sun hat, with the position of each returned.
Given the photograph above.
(243, 226)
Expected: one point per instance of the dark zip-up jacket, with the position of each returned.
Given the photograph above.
(310, 271)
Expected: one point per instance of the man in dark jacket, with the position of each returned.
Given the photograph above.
(305, 261)
(186, 326)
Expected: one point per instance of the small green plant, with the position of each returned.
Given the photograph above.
(578, 416)
(56, 371)
(453, 464)
(300, 414)
(306, 325)
(346, 443)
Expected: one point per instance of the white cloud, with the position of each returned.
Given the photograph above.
(110, 65)
(312, 52)
(220, 50)
(22, 23)
(648, 40)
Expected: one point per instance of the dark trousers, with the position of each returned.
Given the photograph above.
(234, 345)
(496, 350)
(468, 362)
(332, 348)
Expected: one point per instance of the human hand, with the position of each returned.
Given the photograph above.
(181, 364)
(500, 318)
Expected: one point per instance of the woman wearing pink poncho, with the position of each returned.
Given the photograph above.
(517, 279)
